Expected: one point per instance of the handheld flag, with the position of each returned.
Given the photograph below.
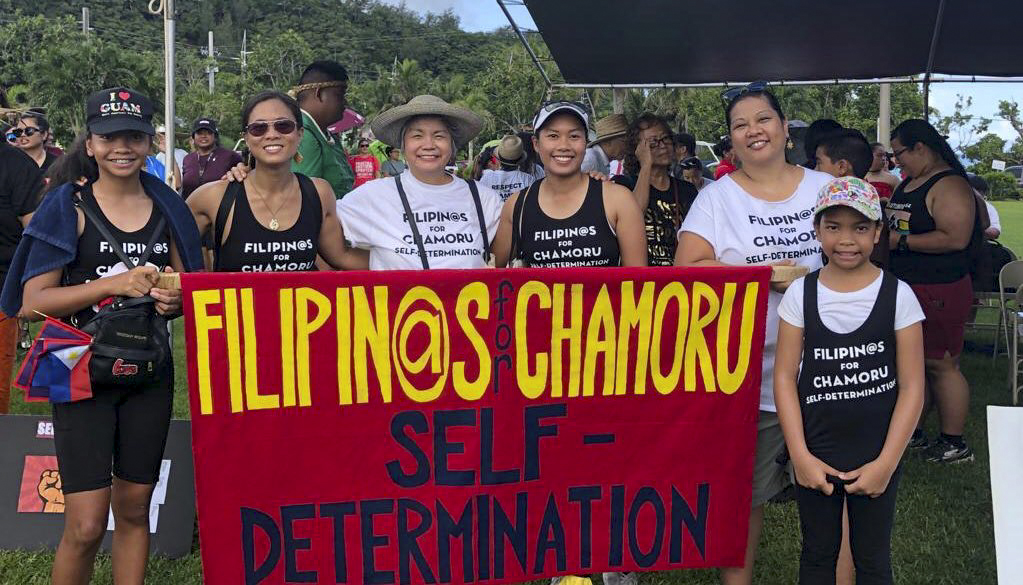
(56, 367)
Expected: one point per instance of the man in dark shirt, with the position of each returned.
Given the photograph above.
(210, 161)
(21, 185)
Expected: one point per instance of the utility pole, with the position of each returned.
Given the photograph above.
(166, 9)
(212, 69)
(245, 35)
(85, 20)
(884, 122)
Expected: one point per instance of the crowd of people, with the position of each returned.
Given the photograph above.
(889, 261)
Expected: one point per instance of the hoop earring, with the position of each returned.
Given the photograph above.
(298, 158)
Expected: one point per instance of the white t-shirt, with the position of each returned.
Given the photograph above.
(373, 218)
(505, 183)
(993, 214)
(745, 230)
(844, 312)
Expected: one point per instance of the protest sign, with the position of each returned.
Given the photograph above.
(472, 426)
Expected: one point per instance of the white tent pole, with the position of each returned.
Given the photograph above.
(522, 39)
(884, 121)
(167, 8)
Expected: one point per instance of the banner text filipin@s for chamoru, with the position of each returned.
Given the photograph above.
(374, 341)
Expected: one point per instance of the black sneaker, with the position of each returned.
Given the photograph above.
(919, 441)
(943, 451)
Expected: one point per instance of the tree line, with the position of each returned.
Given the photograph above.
(392, 54)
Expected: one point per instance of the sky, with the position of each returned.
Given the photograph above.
(486, 15)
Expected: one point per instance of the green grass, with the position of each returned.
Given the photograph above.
(943, 529)
(1011, 215)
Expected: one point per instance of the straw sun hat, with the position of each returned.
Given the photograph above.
(610, 127)
(388, 125)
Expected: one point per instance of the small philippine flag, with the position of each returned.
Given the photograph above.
(56, 367)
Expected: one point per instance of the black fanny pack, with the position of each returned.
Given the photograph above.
(130, 340)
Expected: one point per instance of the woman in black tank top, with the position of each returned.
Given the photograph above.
(569, 219)
(275, 220)
(934, 222)
(109, 445)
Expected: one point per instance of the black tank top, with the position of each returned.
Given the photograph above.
(908, 214)
(96, 258)
(583, 239)
(252, 247)
(848, 382)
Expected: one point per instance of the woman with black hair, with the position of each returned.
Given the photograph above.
(30, 135)
(68, 266)
(568, 219)
(531, 164)
(934, 225)
(275, 220)
(761, 213)
(665, 200)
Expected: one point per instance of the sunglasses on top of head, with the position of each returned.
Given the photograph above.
(282, 126)
(691, 163)
(552, 105)
(13, 135)
(733, 93)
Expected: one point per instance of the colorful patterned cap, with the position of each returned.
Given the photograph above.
(851, 192)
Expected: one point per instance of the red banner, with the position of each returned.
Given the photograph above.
(472, 426)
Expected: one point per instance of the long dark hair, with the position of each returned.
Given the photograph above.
(646, 120)
(480, 164)
(914, 131)
(532, 159)
(75, 165)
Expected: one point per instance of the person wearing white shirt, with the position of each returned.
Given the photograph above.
(509, 178)
(607, 150)
(759, 214)
(423, 218)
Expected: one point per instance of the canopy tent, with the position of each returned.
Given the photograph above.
(660, 43)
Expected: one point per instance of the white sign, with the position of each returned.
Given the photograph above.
(1005, 442)
(998, 165)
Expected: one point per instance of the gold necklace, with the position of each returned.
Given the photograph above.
(274, 224)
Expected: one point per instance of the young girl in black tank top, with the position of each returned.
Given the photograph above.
(96, 259)
(276, 220)
(119, 430)
(569, 219)
(848, 385)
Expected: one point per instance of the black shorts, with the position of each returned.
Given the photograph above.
(125, 428)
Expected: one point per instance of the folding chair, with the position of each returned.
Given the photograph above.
(1015, 362)
(1010, 278)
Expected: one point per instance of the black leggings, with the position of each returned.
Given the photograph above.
(870, 534)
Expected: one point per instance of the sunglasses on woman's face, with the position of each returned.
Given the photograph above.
(733, 93)
(17, 133)
(258, 129)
